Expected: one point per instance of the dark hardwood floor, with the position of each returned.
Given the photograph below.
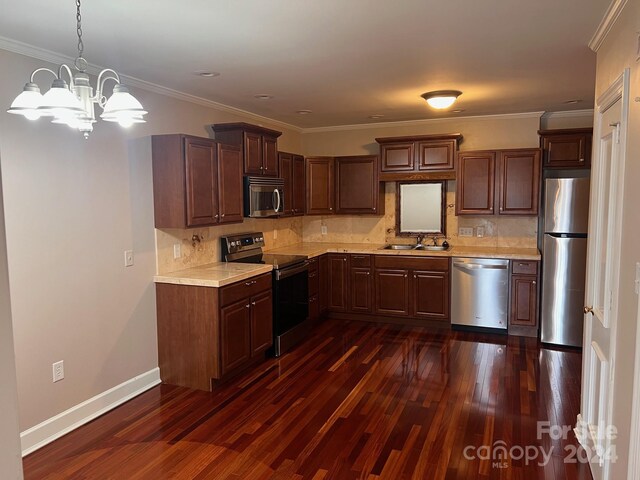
(357, 400)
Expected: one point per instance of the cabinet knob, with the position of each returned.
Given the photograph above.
(248, 284)
(330, 209)
(534, 282)
(501, 209)
(222, 215)
(216, 216)
(368, 273)
(253, 303)
(588, 310)
(405, 275)
(247, 306)
(581, 160)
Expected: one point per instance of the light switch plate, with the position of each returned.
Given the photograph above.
(177, 250)
(465, 231)
(479, 232)
(128, 258)
(323, 229)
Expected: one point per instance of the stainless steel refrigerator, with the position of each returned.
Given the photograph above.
(564, 258)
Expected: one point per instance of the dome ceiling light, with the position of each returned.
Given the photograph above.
(73, 104)
(441, 99)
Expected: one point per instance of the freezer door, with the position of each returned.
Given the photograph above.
(566, 207)
(563, 282)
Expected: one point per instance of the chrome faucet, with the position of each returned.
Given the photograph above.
(420, 239)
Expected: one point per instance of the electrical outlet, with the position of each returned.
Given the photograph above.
(58, 371)
(323, 229)
(275, 233)
(128, 258)
(177, 250)
(479, 232)
(465, 231)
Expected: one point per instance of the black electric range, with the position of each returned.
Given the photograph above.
(290, 286)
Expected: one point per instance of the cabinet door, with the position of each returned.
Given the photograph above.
(567, 150)
(524, 301)
(320, 187)
(230, 183)
(397, 157)
(202, 181)
(252, 153)
(269, 156)
(360, 290)
(286, 173)
(476, 179)
(519, 179)
(261, 323)
(323, 271)
(357, 186)
(430, 294)
(338, 282)
(298, 185)
(392, 292)
(436, 155)
(235, 335)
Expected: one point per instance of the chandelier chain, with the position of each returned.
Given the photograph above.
(79, 30)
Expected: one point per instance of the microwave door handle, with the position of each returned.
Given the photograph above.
(276, 192)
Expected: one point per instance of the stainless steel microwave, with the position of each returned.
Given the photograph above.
(263, 197)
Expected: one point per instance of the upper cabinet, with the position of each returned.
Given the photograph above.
(569, 148)
(292, 172)
(196, 182)
(418, 157)
(358, 190)
(320, 185)
(509, 179)
(343, 185)
(259, 146)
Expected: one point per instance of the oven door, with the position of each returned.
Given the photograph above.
(291, 298)
(263, 200)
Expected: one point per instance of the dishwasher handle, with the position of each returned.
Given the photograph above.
(479, 266)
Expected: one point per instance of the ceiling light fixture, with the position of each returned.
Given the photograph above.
(441, 98)
(572, 102)
(263, 96)
(206, 74)
(376, 116)
(304, 112)
(73, 103)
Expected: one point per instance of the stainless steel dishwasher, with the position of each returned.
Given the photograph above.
(480, 292)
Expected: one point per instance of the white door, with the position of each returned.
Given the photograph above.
(603, 260)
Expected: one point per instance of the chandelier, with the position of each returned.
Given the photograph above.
(72, 104)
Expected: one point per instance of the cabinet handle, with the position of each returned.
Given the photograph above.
(581, 160)
(247, 306)
(533, 283)
(216, 216)
(253, 303)
(222, 215)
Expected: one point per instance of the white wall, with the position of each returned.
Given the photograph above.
(617, 53)
(73, 206)
(10, 458)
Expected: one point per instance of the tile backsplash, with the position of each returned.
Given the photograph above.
(499, 231)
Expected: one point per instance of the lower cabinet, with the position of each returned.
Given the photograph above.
(208, 334)
(392, 291)
(338, 287)
(523, 312)
(360, 292)
(431, 294)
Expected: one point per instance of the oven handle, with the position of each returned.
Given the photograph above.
(276, 192)
(290, 271)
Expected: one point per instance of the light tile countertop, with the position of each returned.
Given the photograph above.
(214, 274)
(315, 249)
(221, 273)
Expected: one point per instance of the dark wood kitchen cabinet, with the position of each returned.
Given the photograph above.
(314, 290)
(418, 157)
(357, 189)
(523, 312)
(416, 287)
(292, 172)
(323, 273)
(361, 284)
(338, 285)
(567, 148)
(320, 185)
(196, 182)
(509, 179)
(259, 146)
(207, 335)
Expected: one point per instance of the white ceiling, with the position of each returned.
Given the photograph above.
(343, 59)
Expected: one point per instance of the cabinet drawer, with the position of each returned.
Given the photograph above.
(415, 263)
(246, 288)
(314, 281)
(524, 267)
(360, 260)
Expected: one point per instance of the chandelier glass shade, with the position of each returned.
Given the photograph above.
(73, 103)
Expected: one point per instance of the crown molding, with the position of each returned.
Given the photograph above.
(45, 55)
(409, 123)
(610, 17)
(587, 112)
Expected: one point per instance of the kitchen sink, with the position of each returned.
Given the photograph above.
(432, 248)
(398, 247)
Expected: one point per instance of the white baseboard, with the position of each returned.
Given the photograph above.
(46, 432)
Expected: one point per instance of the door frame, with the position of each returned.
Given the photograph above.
(634, 441)
(617, 91)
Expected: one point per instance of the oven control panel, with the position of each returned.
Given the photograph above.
(241, 242)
